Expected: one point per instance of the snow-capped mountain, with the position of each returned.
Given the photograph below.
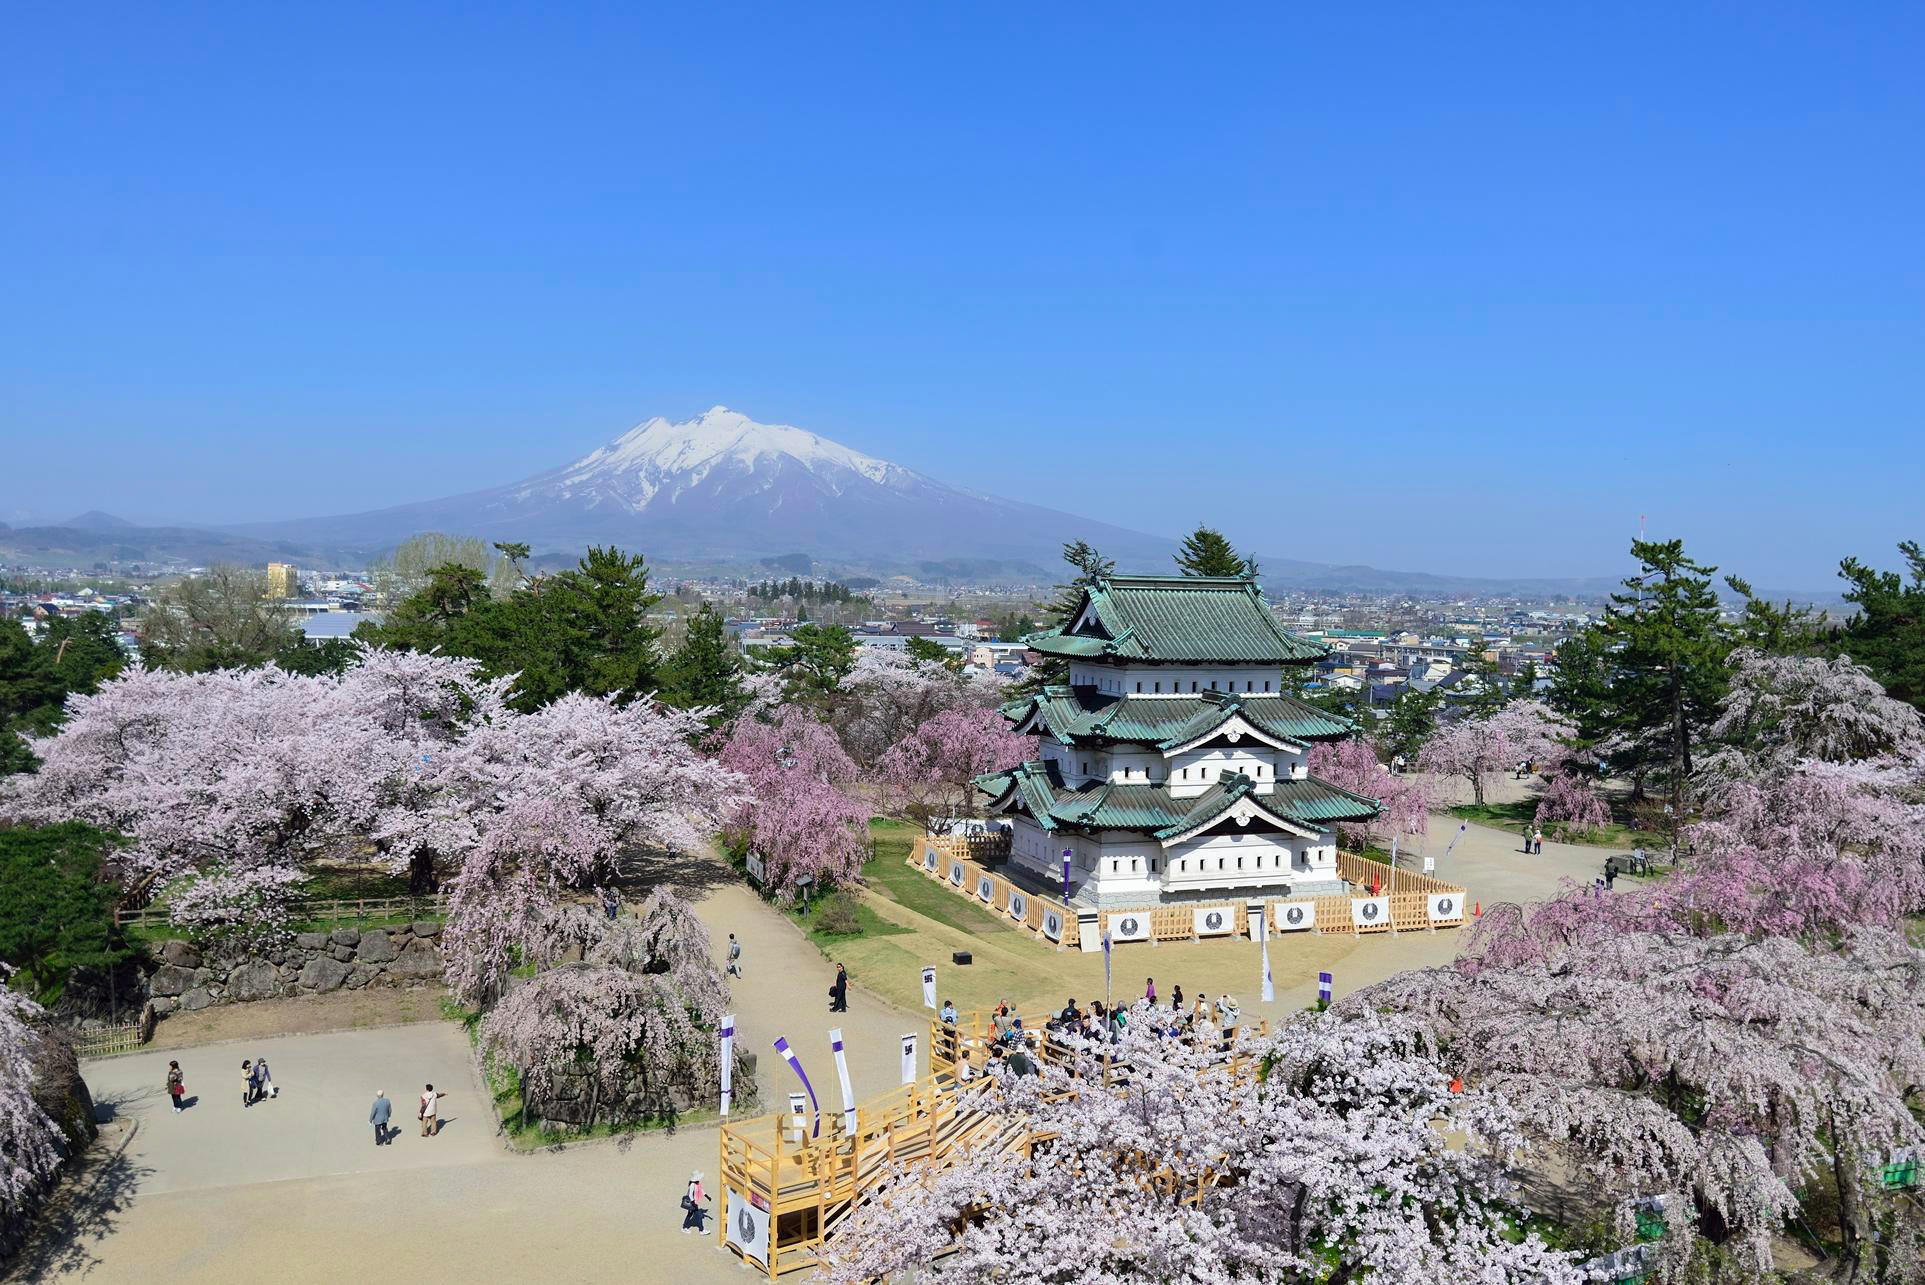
(722, 487)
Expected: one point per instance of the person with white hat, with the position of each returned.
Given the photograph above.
(692, 1198)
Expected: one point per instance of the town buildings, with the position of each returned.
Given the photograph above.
(1172, 764)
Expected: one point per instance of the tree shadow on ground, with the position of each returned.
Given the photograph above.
(691, 875)
(83, 1212)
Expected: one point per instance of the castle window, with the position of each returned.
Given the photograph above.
(1159, 688)
(1139, 686)
(1193, 684)
(1266, 684)
(1136, 864)
(1152, 865)
(1213, 684)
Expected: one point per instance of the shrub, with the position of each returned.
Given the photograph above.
(837, 915)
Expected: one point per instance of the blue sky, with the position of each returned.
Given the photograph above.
(1458, 288)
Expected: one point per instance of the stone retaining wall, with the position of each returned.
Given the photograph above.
(311, 964)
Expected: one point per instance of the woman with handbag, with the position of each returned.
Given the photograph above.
(692, 1198)
(176, 1085)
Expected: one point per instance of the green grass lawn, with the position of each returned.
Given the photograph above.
(888, 874)
(1517, 816)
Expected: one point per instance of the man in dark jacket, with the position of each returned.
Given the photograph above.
(378, 1116)
(839, 991)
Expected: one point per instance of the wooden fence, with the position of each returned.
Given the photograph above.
(786, 1189)
(321, 909)
(1406, 902)
(112, 1040)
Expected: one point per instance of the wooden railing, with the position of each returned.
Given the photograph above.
(991, 846)
(322, 909)
(112, 1040)
(1407, 893)
(799, 1187)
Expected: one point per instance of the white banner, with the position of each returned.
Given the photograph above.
(1214, 921)
(1294, 916)
(1369, 912)
(748, 1227)
(1130, 925)
(909, 1059)
(1018, 904)
(929, 858)
(1446, 905)
(1053, 925)
(842, 1073)
(986, 888)
(956, 873)
(1269, 987)
(728, 1059)
(758, 868)
(929, 987)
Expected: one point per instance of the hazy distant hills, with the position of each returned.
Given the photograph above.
(716, 492)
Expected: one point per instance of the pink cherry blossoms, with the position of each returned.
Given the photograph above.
(798, 811)
(1354, 765)
(1570, 804)
(1333, 1164)
(29, 1140)
(1476, 748)
(929, 774)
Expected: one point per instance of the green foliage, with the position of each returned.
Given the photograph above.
(1487, 691)
(1411, 721)
(815, 662)
(705, 671)
(1669, 668)
(1887, 633)
(1090, 567)
(1778, 629)
(836, 915)
(928, 649)
(225, 619)
(1205, 552)
(57, 916)
(801, 590)
(1014, 627)
(582, 630)
(72, 654)
(1581, 687)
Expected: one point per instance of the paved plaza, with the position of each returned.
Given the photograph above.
(293, 1190)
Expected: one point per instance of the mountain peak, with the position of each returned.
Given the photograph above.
(660, 454)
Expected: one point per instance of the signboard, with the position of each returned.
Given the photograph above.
(1294, 916)
(1053, 925)
(1214, 921)
(758, 868)
(928, 857)
(986, 888)
(1370, 912)
(1430, 865)
(1018, 904)
(1130, 925)
(1446, 905)
(748, 1228)
(956, 873)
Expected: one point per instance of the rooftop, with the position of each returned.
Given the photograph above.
(1306, 802)
(1177, 619)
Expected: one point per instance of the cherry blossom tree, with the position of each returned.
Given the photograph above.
(30, 1142)
(929, 774)
(888, 694)
(1784, 709)
(1570, 805)
(1475, 748)
(1354, 765)
(798, 811)
(1332, 1165)
(1729, 1071)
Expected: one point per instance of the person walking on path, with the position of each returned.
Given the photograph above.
(611, 903)
(1176, 1000)
(692, 1198)
(247, 1083)
(1149, 989)
(430, 1107)
(839, 991)
(263, 1082)
(735, 956)
(379, 1114)
(176, 1085)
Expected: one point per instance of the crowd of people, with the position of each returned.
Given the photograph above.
(1010, 1047)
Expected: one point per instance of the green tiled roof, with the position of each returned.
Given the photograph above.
(1193, 619)
(1080, 715)
(1106, 805)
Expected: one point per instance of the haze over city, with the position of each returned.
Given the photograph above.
(1461, 292)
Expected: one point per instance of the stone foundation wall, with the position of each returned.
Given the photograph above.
(311, 964)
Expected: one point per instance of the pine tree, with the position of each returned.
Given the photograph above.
(1205, 552)
(705, 671)
(1091, 567)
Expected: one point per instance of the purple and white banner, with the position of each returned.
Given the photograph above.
(728, 1059)
(795, 1064)
(1323, 987)
(1263, 944)
(842, 1073)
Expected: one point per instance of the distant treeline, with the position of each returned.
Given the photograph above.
(802, 590)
